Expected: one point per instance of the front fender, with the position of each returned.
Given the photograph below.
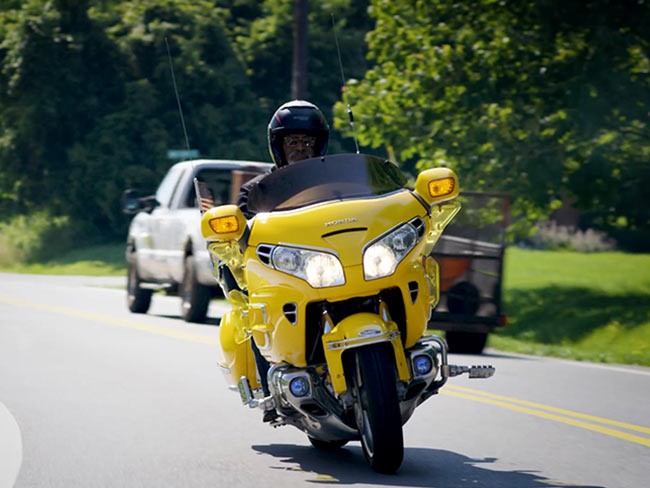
(360, 330)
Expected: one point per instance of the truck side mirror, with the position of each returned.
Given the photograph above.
(223, 223)
(437, 185)
(130, 202)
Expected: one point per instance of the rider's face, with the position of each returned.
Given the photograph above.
(298, 147)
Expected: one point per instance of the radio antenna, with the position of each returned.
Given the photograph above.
(201, 191)
(178, 99)
(345, 98)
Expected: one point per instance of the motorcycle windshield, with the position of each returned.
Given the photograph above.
(317, 180)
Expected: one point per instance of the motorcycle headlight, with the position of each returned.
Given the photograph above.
(382, 257)
(319, 269)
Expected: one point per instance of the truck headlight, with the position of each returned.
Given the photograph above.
(319, 269)
(382, 257)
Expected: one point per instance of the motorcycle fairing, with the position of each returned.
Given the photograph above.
(306, 228)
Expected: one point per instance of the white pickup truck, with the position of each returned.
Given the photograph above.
(165, 248)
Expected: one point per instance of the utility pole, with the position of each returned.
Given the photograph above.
(300, 36)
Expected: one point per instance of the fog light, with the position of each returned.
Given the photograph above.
(299, 387)
(422, 365)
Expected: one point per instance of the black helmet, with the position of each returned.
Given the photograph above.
(297, 116)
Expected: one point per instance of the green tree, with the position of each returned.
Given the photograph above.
(88, 105)
(60, 73)
(131, 142)
(261, 33)
(540, 98)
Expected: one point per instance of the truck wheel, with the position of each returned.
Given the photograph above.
(377, 412)
(327, 445)
(137, 299)
(195, 297)
(466, 342)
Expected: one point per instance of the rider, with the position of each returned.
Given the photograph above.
(297, 130)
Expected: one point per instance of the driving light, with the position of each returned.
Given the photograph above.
(382, 257)
(422, 365)
(319, 269)
(225, 225)
(441, 187)
(299, 387)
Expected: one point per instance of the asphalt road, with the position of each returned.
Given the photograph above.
(93, 396)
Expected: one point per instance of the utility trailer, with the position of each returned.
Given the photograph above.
(470, 256)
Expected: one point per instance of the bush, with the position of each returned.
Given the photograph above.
(551, 236)
(35, 237)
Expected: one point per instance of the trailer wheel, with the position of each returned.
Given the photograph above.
(466, 342)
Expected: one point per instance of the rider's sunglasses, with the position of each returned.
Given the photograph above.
(294, 140)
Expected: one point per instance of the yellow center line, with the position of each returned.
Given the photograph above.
(561, 411)
(576, 423)
(130, 324)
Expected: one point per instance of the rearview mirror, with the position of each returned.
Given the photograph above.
(437, 185)
(223, 223)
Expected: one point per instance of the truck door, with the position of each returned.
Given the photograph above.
(160, 225)
(185, 218)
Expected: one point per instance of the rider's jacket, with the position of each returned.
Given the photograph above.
(244, 191)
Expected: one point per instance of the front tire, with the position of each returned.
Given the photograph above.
(195, 297)
(377, 412)
(137, 299)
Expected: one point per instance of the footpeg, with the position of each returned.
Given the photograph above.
(245, 392)
(450, 370)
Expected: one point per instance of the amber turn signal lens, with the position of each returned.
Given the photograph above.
(442, 187)
(225, 225)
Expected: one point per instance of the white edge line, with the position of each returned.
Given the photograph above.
(11, 448)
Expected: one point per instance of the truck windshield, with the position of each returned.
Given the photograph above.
(317, 180)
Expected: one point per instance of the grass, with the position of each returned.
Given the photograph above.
(592, 307)
(103, 260)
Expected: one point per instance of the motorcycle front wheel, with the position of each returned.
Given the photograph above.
(377, 412)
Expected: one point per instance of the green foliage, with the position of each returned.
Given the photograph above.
(59, 75)
(262, 33)
(100, 260)
(87, 102)
(536, 98)
(128, 146)
(35, 237)
(88, 107)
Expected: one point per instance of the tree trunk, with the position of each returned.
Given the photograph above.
(299, 71)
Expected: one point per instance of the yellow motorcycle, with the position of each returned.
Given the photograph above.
(336, 288)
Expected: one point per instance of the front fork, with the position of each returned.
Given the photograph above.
(359, 330)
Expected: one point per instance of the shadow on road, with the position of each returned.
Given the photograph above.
(421, 468)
